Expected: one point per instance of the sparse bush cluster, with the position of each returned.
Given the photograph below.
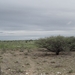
(57, 43)
(17, 45)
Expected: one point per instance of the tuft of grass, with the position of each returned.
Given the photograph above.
(70, 71)
(16, 62)
(19, 71)
(52, 61)
(44, 61)
(21, 50)
(27, 64)
(26, 53)
(58, 66)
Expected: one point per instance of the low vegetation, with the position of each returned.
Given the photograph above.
(46, 56)
(57, 44)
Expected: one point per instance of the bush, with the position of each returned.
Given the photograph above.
(71, 42)
(54, 44)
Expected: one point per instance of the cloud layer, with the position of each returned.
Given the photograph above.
(30, 19)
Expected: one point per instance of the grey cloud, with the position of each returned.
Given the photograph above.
(37, 15)
(35, 36)
(27, 18)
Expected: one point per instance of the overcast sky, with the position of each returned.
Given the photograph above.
(32, 19)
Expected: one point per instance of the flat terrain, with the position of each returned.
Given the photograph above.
(36, 62)
(24, 58)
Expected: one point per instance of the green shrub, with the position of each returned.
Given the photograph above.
(71, 42)
(55, 44)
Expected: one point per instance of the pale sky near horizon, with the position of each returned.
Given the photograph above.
(32, 19)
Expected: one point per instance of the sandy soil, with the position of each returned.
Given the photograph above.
(36, 62)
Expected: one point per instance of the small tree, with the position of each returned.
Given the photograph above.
(54, 44)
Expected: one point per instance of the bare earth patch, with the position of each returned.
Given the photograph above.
(37, 62)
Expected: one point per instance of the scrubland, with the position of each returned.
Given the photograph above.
(25, 58)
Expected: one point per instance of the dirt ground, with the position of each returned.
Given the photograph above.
(36, 62)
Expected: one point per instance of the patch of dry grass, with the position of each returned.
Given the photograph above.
(37, 63)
